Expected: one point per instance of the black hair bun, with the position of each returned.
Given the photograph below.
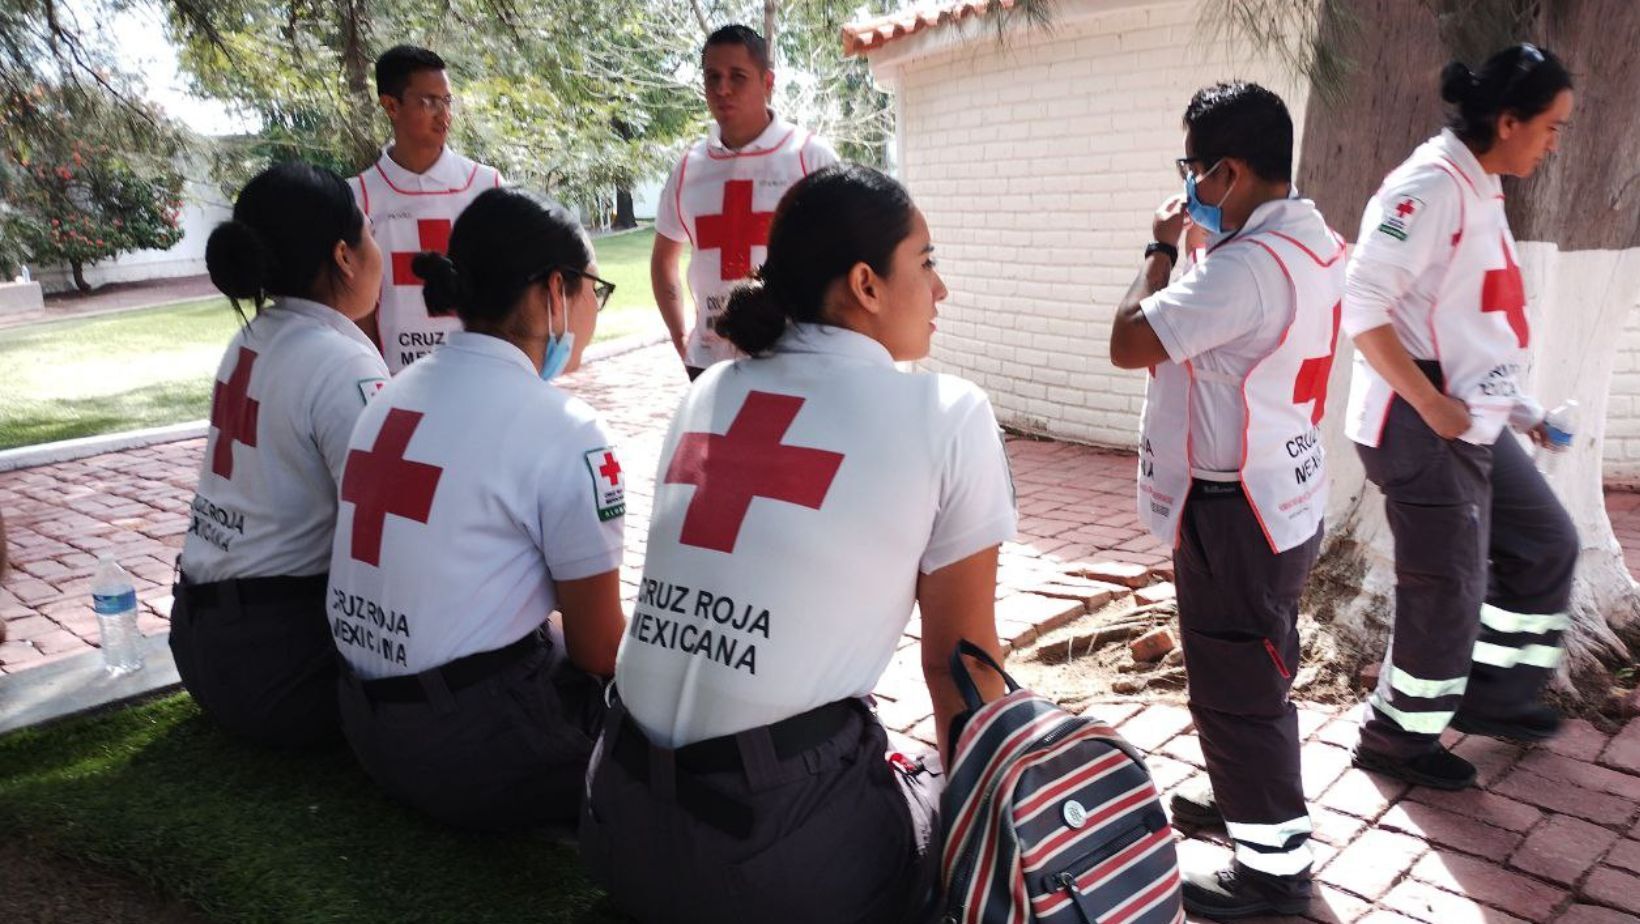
(1457, 83)
(238, 260)
(443, 288)
(754, 319)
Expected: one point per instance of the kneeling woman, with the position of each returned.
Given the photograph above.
(249, 630)
(806, 499)
(476, 500)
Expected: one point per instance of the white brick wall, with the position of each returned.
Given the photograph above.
(1038, 166)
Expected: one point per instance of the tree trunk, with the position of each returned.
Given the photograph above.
(357, 65)
(78, 268)
(625, 216)
(1578, 224)
(771, 26)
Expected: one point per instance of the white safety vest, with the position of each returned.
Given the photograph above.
(291, 384)
(721, 201)
(471, 487)
(1469, 294)
(798, 498)
(1283, 470)
(410, 213)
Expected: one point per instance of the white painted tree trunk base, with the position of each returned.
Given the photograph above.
(1578, 303)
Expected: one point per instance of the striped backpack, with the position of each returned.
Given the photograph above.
(1049, 817)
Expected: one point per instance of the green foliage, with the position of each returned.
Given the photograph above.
(85, 178)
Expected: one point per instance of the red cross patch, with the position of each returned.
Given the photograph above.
(1399, 215)
(608, 483)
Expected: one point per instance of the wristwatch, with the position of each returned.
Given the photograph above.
(1171, 252)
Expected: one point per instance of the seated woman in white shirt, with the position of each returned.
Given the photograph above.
(249, 630)
(478, 498)
(807, 498)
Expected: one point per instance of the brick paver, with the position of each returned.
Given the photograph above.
(1554, 836)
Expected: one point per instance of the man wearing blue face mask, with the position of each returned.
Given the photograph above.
(1231, 470)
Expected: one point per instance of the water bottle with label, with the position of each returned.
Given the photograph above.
(115, 600)
(1560, 426)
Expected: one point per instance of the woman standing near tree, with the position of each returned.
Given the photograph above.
(1484, 552)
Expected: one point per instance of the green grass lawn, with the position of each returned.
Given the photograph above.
(81, 377)
(251, 836)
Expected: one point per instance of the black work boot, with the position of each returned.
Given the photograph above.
(1195, 805)
(1238, 891)
(1437, 769)
(1537, 722)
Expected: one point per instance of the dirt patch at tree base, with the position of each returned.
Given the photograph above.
(41, 887)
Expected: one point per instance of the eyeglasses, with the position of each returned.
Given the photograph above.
(432, 104)
(602, 289)
(1184, 163)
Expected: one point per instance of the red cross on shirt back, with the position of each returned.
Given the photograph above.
(1503, 290)
(729, 470)
(381, 481)
(734, 232)
(432, 234)
(234, 413)
(1314, 373)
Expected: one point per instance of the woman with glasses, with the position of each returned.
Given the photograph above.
(477, 498)
(1484, 552)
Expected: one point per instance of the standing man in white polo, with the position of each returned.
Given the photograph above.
(412, 195)
(721, 196)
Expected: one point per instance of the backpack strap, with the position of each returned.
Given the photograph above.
(965, 682)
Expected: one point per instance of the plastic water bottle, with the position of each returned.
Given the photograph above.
(1560, 426)
(115, 600)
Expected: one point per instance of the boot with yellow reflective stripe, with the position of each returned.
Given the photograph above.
(1538, 722)
(1437, 769)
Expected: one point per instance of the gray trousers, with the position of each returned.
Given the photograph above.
(258, 658)
(1484, 558)
(837, 833)
(508, 752)
(1238, 616)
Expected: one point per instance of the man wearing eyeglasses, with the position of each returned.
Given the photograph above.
(721, 197)
(412, 195)
(1232, 473)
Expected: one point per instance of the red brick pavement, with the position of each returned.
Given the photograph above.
(1555, 836)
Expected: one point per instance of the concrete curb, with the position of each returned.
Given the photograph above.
(69, 450)
(79, 685)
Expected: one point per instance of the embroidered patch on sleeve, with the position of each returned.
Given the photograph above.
(608, 483)
(1399, 216)
(369, 387)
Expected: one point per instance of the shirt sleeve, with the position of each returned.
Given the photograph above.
(339, 401)
(1371, 292)
(668, 221)
(582, 505)
(818, 154)
(1410, 222)
(976, 503)
(1218, 301)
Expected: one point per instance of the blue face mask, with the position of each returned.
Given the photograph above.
(1209, 218)
(559, 350)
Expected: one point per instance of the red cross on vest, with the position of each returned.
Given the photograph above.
(735, 232)
(233, 413)
(433, 234)
(611, 469)
(382, 481)
(1313, 373)
(749, 461)
(1502, 290)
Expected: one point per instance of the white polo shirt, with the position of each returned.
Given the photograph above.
(410, 213)
(287, 392)
(1223, 316)
(721, 200)
(471, 486)
(798, 498)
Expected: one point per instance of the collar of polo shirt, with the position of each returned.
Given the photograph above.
(446, 173)
(772, 136)
(831, 340)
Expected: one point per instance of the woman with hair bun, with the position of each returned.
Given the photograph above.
(1484, 552)
(478, 498)
(249, 630)
(808, 498)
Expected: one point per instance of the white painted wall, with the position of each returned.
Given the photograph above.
(1038, 167)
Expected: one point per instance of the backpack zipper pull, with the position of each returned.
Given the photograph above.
(1068, 883)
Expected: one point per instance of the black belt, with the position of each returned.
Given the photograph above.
(1208, 488)
(252, 590)
(1432, 370)
(457, 675)
(791, 737)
